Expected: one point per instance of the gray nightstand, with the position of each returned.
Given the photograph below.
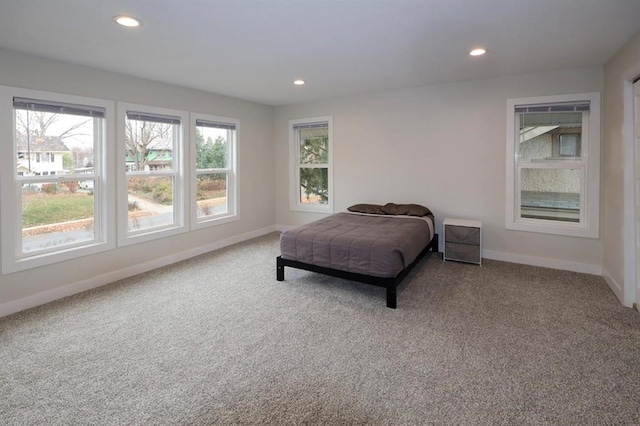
(462, 240)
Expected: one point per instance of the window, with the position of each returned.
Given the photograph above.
(569, 145)
(46, 217)
(311, 152)
(214, 161)
(553, 164)
(152, 193)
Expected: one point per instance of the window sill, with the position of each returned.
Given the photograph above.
(562, 228)
(326, 208)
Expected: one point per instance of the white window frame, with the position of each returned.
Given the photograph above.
(294, 168)
(13, 260)
(232, 213)
(588, 162)
(181, 188)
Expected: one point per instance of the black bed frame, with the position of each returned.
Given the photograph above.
(389, 283)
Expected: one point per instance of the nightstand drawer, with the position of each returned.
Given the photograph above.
(462, 234)
(462, 252)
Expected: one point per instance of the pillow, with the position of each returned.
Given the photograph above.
(406, 209)
(366, 208)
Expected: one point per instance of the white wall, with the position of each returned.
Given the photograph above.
(618, 261)
(442, 146)
(256, 171)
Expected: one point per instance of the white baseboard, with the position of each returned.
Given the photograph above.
(14, 306)
(615, 287)
(585, 268)
(88, 284)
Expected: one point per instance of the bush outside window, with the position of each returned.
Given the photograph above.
(215, 181)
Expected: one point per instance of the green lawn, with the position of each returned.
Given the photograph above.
(46, 209)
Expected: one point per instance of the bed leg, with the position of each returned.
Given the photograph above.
(279, 269)
(391, 297)
(434, 244)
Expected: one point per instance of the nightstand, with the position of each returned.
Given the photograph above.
(462, 240)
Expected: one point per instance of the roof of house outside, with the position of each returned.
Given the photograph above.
(40, 144)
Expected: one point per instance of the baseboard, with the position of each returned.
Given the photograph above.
(38, 299)
(12, 307)
(564, 265)
(615, 287)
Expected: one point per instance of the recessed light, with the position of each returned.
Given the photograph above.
(127, 21)
(299, 82)
(477, 52)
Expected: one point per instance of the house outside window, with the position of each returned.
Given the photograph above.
(214, 165)
(311, 168)
(152, 189)
(46, 217)
(553, 164)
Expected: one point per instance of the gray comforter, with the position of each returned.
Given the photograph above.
(375, 245)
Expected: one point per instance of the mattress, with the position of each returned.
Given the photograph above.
(368, 244)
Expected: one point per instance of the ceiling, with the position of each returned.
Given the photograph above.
(254, 49)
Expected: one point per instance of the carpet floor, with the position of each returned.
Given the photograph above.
(217, 340)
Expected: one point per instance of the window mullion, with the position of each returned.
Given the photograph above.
(314, 166)
(204, 171)
(153, 173)
(557, 165)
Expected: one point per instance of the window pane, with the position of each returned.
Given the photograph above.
(149, 145)
(552, 194)
(549, 136)
(314, 146)
(212, 194)
(569, 145)
(150, 202)
(53, 143)
(86, 185)
(212, 147)
(314, 185)
(56, 215)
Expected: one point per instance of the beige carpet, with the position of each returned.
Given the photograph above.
(217, 340)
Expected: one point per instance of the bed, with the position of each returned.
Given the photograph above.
(373, 244)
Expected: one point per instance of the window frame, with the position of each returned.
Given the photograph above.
(232, 168)
(295, 165)
(13, 259)
(180, 187)
(588, 161)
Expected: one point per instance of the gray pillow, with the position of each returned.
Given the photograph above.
(366, 208)
(406, 209)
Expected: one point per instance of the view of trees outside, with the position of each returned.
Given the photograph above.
(150, 145)
(212, 169)
(48, 146)
(39, 132)
(211, 153)
(314, 154)
(144, 139)
(55, 145)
